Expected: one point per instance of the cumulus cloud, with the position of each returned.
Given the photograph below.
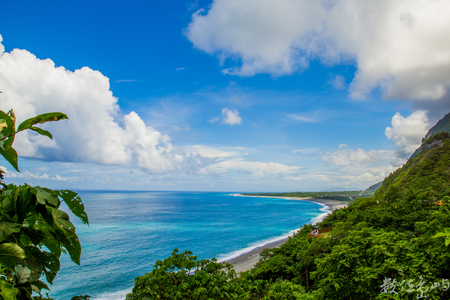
(407, 133)
(402, 47)
(231, 116)
(97, 131)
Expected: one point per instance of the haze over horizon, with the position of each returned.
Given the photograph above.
(224, 95)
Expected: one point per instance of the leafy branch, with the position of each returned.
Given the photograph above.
(33, 230)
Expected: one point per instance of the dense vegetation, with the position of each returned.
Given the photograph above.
(387, 246)
(33, 230)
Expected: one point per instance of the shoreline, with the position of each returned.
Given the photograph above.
(247, 260)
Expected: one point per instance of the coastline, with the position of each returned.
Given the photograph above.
(247, 260)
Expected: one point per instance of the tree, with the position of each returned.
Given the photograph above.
(182, 276)
(34, 231)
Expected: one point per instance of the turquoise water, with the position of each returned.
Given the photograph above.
(130, 231)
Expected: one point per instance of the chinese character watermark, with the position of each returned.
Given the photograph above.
(392, 286)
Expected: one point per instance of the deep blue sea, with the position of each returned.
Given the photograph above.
(130, 231)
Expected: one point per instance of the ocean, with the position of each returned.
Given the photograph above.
(130, 231)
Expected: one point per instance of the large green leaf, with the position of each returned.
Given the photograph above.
(3, 129)
(7, 290)
(23, 201)
(47, 117)
(21, 274)
(8, 228)
(65, 232)
(10, 155)
(38, 261)
(8, 129)
(11, 254)
(34, 234)
(6, 123)
(75, 204)
(445, 234)
(53, 245)
(38, 286)
(41, 131)
(45, 196)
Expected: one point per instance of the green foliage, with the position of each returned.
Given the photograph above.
(424, 177)
(8, 131)
(33, 230)
(182, 276)
(446, 234)
(436, 137)
(370, 191)
(442, 126)
(393, 236)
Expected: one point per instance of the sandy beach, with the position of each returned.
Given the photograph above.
(248, 260)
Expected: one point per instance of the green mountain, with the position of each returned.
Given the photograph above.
(370, 191)
(441, 127)
(426, 175)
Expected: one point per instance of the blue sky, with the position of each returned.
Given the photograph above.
(223, 95)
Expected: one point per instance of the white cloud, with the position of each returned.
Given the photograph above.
(355, 157)
(306, 151)
(338, 82)
(401, 46)
(214, 120)
(212, 152)
(27, 175)
(358, 168)
(300, 118)
(310, 177)
(231, 116)
(258, 169)
(408, 132)
(96, 132)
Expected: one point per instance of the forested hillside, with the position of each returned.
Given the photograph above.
(381, 247)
